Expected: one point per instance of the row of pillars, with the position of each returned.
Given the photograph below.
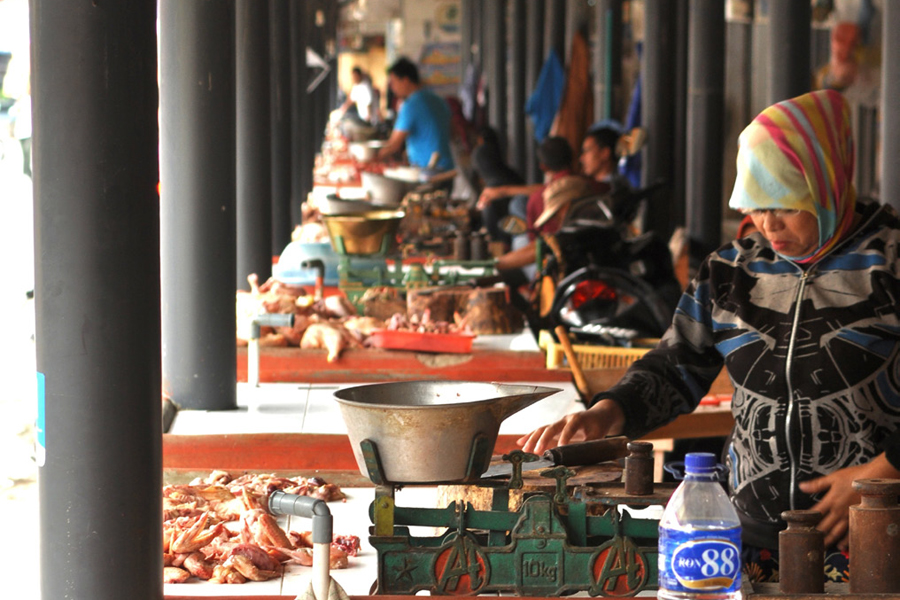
(223, 121)
(683, 78)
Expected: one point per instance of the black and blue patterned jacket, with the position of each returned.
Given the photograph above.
(814, 357)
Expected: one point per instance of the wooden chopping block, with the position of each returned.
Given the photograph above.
(481, 497)
(486, 310)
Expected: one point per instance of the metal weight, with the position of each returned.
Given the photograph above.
(875, 537)
(801, 548)
(639, 469)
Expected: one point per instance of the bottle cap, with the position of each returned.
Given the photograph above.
(700, 463)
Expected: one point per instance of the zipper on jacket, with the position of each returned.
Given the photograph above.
(790, 389)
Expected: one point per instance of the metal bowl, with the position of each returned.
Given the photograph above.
(385, 191)
(426, 431)
(365, 233)
(365, 151)
(333, 205)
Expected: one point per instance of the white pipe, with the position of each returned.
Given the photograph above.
(321, 577)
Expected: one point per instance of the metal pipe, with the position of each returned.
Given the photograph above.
(789, 35)
(280, 113)
(705, 120)
(890, 116)
(256, 325)
(197, 205)
(97, 300)
(253, 142)
(281, 503)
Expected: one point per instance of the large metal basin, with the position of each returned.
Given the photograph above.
(364, 233)
(424, 430)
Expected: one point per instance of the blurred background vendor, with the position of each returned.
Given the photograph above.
(423, 121)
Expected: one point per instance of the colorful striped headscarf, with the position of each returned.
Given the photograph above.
(798, 154)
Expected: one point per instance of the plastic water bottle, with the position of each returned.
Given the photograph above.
(700, 537)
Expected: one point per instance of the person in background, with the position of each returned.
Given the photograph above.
(598, 156)
(555, 159)
(423, 120)
(804, 318)
(492, 171)
(363, 97)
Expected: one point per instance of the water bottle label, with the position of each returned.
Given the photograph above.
(700, 560)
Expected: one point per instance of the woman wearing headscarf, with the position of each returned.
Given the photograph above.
(805, 316)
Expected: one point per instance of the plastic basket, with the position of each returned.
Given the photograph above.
(592, 357)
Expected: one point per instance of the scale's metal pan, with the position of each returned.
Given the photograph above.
(424, 430)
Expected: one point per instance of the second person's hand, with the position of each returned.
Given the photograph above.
(603, 419)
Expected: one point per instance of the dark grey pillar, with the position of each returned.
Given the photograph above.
(788, 51)
(495, 47)
(96, 227)
(608, 60)
(705, 119)
(467, 10)
(516, 101)
(534, 60)
(738, 87)
(197, 206)
(555, 28)
(301, 110)
(280, 113)
(890, 118)
(658, 111)
(253, 175)
(679, 99)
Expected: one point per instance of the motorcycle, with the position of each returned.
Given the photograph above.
(602, 282)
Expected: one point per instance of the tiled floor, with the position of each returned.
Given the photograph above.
(311, 408)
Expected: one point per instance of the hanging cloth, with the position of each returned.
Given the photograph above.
(544, 100)
(576, 110)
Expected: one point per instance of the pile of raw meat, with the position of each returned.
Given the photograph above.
(219, 529)
(330, 323)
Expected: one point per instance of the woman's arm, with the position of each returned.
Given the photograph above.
(490, 194)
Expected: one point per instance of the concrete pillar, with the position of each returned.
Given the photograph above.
(534, 60)
(658, 70)
(97, 315)
(280, 115)
(253, 142)
(518, 137)
(705, 121)
(197, 205)
(890, 118)
(495, 48)
(789, 71)
(608, 59)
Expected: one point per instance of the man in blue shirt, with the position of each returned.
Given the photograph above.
(423, 121)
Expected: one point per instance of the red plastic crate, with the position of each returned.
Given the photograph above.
(455, 343)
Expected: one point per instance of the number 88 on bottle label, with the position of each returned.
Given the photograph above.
(700, 561)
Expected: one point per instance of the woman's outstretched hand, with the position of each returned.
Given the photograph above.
(602, 419)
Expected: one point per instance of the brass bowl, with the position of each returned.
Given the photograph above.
(365, 233)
